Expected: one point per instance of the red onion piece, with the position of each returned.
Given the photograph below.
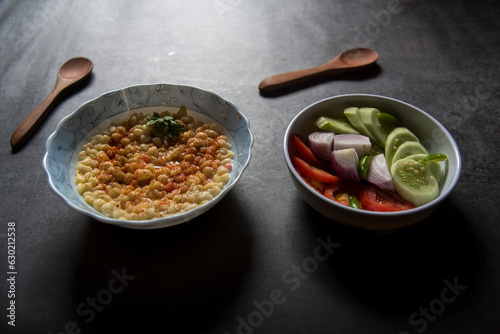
(345, 163)
(378, 173)
(360, 143)
(321, 144)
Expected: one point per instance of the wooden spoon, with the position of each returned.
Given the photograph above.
(71, 72)
(347, 61)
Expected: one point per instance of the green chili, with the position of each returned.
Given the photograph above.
(363, 166)
(353, 202)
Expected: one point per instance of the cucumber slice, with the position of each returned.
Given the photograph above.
(394, 139)
(354, 118)
(417, 157)
(408, 148)
(335, 125)
(433, 165)
(414, 182)
(379, 128)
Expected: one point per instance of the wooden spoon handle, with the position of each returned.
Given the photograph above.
(285, 80)
(28, 126)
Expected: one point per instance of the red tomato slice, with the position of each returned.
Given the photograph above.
(306, 153)
(375, 199)
(340, 192)
(319, 186)
(314, 173)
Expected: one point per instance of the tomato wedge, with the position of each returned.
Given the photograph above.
(340, 192)
(316, 185)
(312, 172)
(305, 152)
(375, 199)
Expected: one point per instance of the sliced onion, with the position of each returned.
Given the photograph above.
(321, 143)
(378, 173)
(345, 163)
(360, 143)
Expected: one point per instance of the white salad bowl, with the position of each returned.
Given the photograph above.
(64, 144)
(433, 136)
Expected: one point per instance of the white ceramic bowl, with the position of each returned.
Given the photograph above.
(63, 146)
(434, 137)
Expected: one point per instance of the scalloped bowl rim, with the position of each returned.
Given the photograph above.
(155, 222)
(365, 213)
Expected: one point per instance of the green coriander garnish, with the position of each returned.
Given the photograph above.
(435, 157)
(166, 125)
(389, 118)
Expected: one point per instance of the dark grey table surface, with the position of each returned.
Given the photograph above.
(237, 268)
